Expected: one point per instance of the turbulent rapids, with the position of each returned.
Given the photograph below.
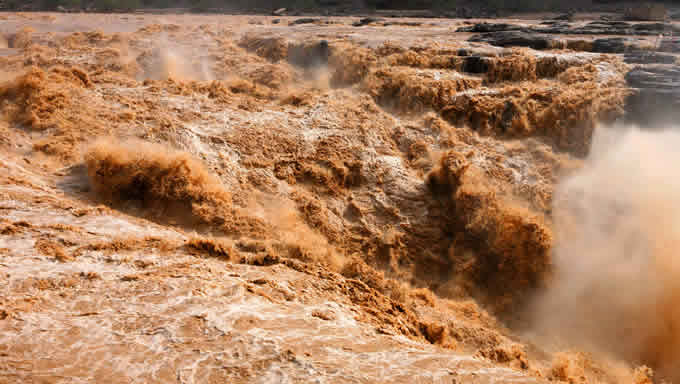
(248, 199)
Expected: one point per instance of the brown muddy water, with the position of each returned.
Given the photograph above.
(204, 199)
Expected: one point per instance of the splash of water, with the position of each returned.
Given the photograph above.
(617, 226)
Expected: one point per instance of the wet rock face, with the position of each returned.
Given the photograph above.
(611, 45)
(304, 21)
(600, 27)
(647, 57)
(476, 64)
(656, 95)
(309, 55)
(564, 17)
(545, 36)
(517, 38)
(646, 11)
(490, 27)
(368, 21)
(669, 45)
(543, 41)
(619, 28)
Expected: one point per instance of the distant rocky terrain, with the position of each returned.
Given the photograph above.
(396, 8)
(651, 48)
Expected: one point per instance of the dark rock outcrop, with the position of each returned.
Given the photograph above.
(612, 45)
(669, 45)
(599, 27)
(475, 64)
(367, 21)
(518, 39)
(306, 20)
(490, 27)
(564, 16)
(309, 55)
(649, 57)
(646, 11)
(655, 99)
